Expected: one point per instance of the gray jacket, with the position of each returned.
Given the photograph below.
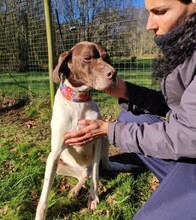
(174, 138)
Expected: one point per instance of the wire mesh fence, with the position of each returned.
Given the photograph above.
(118, 25)
(23, 48)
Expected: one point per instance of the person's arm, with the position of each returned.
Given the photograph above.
(131, 93)
(141, 97)
(171, 139)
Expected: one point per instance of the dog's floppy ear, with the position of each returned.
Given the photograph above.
(61, 66)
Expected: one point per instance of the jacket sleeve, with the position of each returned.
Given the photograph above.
(171, 139)
(146, 99)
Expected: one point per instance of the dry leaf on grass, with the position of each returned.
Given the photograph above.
(4, 210)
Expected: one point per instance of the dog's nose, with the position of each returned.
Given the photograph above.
(110, 75)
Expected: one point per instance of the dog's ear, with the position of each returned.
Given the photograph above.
(61, 66)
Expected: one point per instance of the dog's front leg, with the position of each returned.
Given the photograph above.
(93, 198)
(50, 172)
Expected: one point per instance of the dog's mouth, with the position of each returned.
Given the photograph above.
(100, 84)
(113, 81)
(112, 85)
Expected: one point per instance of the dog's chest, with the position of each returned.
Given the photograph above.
(78, 155)
(67, 113)
(78, 111)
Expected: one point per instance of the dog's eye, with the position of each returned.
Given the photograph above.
(88, 58)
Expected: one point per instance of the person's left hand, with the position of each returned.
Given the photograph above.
(92, 129)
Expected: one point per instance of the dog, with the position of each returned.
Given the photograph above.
(85, 67)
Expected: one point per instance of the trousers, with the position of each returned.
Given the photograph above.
(175, 197)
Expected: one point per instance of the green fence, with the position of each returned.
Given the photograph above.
(118, 25)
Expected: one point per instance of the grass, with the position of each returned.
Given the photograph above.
(25, 143)
(36, 84)
(29, 84)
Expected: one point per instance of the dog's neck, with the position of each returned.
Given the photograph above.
(75, 94)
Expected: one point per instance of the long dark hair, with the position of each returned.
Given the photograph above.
(177, 46)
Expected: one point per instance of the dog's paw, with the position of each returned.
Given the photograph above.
(93, 200)
(75, 190)
(92, 204)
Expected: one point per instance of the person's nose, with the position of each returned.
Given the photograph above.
(151, 23)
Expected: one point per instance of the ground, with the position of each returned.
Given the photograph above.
(12, 111)
(25, 129)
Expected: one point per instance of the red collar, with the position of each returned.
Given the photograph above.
(75, 95)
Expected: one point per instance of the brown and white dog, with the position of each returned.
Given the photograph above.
(84, 67)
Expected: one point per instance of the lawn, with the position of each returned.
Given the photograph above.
(36, 84)
(25, 144)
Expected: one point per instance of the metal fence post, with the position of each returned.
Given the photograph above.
(47, 9)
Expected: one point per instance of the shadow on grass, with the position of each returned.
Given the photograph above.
(63, 205)
(18, 104)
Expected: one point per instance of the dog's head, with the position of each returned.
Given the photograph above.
(87, 64)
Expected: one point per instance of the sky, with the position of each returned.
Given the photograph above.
(139, 2)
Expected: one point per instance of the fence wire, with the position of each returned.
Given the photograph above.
(118, 25)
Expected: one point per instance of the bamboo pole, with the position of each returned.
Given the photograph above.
(47, 10)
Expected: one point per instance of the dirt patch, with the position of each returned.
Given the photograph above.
(8, 104)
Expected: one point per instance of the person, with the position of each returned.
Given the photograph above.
(160, 126)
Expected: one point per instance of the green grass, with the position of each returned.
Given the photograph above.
(24, 84)
(22, 152)
(36, 84)
(25, 143)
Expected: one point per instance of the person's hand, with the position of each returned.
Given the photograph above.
(92, 129)
(119, 90)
